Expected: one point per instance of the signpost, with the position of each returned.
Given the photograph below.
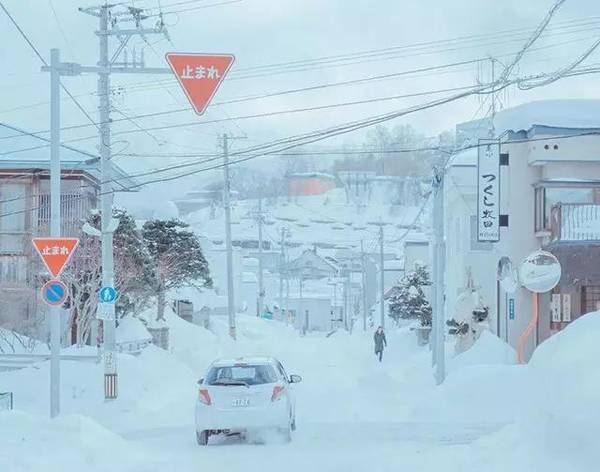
(199, 75)
(55, 252)
(106, 307)
(107, 295)
(54, 292)
(488, 190)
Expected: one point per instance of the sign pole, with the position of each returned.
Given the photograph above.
(438, 322)
(55, 312)
(381, 278)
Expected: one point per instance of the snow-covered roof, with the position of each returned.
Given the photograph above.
(542, 114)
(320, 175)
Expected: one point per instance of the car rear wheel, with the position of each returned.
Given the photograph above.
(286, 433)
(202, 437)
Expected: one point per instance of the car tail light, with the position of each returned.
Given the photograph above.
(277, 392)
(204, 396)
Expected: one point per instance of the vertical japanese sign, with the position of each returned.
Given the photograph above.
(566, 307)
(488, 191)
(555, 307)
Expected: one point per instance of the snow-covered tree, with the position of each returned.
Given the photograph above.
(407, 299)
(132, 270)
(177, 258)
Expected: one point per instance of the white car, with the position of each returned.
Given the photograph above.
(245, 394)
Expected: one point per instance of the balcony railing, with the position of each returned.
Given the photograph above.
(575, 222)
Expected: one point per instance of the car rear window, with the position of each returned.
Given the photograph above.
(241, 374)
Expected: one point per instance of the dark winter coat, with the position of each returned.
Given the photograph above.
(380, 341)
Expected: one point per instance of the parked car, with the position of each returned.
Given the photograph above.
(245, 394)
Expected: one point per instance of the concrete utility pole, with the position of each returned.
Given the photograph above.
(439, 254)
(107, 65)
(55, 224)
(364, 284)
(345, 303)
(228, 247)
(282, 264)
(107, 197)
(261, 289)
(381, 277)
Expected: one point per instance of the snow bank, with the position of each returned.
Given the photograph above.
(191, 344)
(131, 329)
(489, 349)
(69, 444)
(482, 385)
(477, 393)
(15, 343)
(153, 387)
(565, 376)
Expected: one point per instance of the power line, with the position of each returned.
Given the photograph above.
(275, 94)
(41, 58)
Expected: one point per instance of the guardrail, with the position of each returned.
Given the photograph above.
(10, 362)
(133, 347)
(6, 400)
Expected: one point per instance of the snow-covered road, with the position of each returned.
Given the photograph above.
(353, 413)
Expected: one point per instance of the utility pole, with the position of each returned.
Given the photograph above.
(439, 254)
(282, 265)
(106, 200)
(261, 289)
(55, 224)
(106, 65)
(364, 284)
(381, 278)
(345, 302)
(227, 204)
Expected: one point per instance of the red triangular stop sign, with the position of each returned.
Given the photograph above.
(199, 75)
(55, 252)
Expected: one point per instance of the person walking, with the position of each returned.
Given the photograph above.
(380, 342)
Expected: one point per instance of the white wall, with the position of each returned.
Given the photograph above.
(516, 241)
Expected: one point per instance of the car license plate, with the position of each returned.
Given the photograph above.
(240, 402)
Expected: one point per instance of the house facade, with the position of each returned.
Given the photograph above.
(25, 214)
(550, 190)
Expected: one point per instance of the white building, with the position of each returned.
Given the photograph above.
(550, 190)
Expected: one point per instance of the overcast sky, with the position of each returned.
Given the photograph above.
(263, 32)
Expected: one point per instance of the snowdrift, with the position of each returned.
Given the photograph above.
(70, 444)
(482, 385)
(565, 378)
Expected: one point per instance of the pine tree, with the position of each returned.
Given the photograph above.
(133, 275)
(408, 301)
(177, 258)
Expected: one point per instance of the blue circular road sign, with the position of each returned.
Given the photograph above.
(54, 292)
(107, 294)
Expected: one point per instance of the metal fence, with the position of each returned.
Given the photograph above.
(6, 401)
(576, 222)
(10, 362)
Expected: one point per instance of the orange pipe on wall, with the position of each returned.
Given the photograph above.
(530, 326)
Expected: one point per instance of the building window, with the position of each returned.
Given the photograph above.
(546, 198)
(541, 222)
(590, 298)
(12, 216)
